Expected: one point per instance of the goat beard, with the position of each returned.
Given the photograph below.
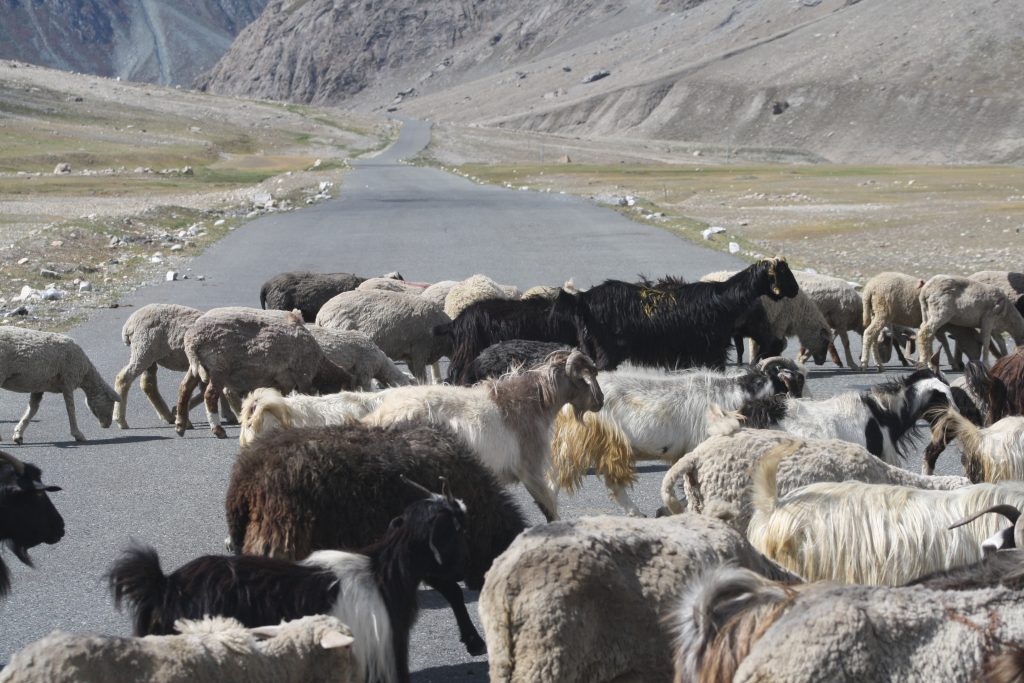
(20, 551)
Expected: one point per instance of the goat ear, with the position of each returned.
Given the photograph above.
(334, 639)
(266, 632)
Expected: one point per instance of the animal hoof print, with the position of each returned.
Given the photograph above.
(220, 433)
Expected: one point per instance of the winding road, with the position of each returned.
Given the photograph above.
(148, 484)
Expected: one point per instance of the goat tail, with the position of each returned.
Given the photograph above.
(685, 465)
(765, 475)
(263, 296)
(1005, 667)
(721, 616)
(137, 579)
(578, 445)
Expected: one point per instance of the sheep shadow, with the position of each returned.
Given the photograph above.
(71, 444)
(473, 672)
(431, 599)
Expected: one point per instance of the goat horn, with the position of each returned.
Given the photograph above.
(446, 489)
(19, 466)
(1009, 511)
(419, 487)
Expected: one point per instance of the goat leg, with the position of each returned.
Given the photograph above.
(34, 400)
(152, 392)
(834, 354)
(188, 385)
(452, 592)
(69, 404)
(212, 398)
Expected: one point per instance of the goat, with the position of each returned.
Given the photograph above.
(305, 291)
(373, 591)
(508, 356)
(266, 409)
(27, 516)
(299, 490)
(507, 421)
(733, 624)
(650, 415)
(486, 323)
(990, 454)
(855, 532)
(672, 324)
(883, 419)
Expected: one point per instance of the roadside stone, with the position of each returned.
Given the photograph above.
(84, 287)
(22, 261)
(171, 276)
(46, 272)
(63, 168)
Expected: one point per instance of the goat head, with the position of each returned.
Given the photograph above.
(583, 374)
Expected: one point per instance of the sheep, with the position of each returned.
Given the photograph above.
(1010, 282)
(373, 590)
(507, 422)
(650, 415)
(264, 410)
(315, 649)
(27, 515)
(842, 308)
(855, 532)
(488, 322)
(241, 349)
(716, 475)
(672, 324)
(473, 289)
(305, 291)
(401, 324)
(581, 601)
(946, 299)
(889, 299)
(507, 356)
(795, 316)
(437, 292)
(392, 285)
(990, 454)
(882, 419)
(300, 490)
(734, 625)
(550, 292)
(33, 362)
(355, 352)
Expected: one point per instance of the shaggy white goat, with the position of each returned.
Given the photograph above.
(265, 410)
(991, 453)
(507, 421)
(854, 532)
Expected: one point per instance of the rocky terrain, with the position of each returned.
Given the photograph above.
(160, 41)
(848, 81)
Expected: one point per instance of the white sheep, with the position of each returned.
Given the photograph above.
(401, 324)
(242, 349)
(355, 352)
(549, 291)
(795, 316)
(507, 421)
(437, 292)
(265, 410)
(33, 362)
(855, 532)
(582, 601)
(716, 476)
(889, 299)
(476, 288)
(389, 284)
(948, 299)
(990, 454)
(315, 649)
(841, 305)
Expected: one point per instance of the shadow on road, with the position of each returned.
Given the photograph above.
(93, 442)
(474, 672)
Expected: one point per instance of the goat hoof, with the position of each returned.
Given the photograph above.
(475, 646)
(123, 424)
(79, 437)
(17, 440)
(180, 429)
(663, 512)
(219, 433)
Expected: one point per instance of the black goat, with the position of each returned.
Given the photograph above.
(671, 324)
(27, 516)
(297, 490)
(372, 591)
(488, 322)
(499, 359)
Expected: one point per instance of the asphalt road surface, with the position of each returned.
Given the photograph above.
(148, 484)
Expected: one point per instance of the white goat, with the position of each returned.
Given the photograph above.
(507, 422)
(855, 532)
(265, 410)
(991, 453)
(653, 415)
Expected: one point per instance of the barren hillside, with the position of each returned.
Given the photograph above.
(915, 81)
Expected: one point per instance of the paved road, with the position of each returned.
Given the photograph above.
(148, 484)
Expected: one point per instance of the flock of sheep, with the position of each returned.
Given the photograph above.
(791, 545)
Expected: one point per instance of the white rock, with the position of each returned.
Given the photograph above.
(51, 294)
(200, 277)
(219, 222)
(734, 248)
(176, 247)
(713, 230)
(22, 261)
(156, 259)
(171, 276)
(812, 271)
(84, 287)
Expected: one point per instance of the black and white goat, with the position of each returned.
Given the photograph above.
(670, 323)
(27, 516)
(653, 415)
(882, 419)
(372, 591)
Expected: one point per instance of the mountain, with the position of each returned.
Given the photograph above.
(163, 41)
(867, 81)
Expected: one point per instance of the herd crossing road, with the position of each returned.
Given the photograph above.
(147, 484)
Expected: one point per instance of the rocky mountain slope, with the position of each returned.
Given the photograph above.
(163, 41)
(929, 81)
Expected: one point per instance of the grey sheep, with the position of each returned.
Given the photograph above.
(305, 291)
(33, 362)
(842, 307)
(583, 601)
(791, 317)
(401, 324)
(314, 649)
(716, 476)
(889, 299)
(242, 349)
(356, 353)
